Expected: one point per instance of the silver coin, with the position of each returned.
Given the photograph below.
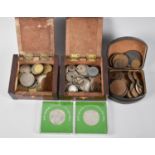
(71, 75)
(27, 79)
(70, 68)
(93, 71)
(91, 117)
(72, 88)
(85, 85)
(25, 69)
(82, 69)
(57, 116)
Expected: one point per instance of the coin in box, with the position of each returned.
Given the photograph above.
(83, 78)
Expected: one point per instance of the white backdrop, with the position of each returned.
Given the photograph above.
(21, 118)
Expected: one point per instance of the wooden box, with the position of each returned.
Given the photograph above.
(134, 74)
(83, 46)
(36, 46)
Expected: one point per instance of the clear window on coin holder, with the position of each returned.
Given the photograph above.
(126, 76)
(36, 46)
(83, 47)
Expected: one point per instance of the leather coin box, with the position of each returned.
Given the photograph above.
(83, 47)
(36, 46)
(121, 46)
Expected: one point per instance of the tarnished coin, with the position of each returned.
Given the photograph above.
(118, 87)
(47, 69)
(129, 94)
(72, 88)
(95, 84)
(70, 68)
(40, 78)
(134, 92)
(120, 61)
(27, 79)
(37, 69)
(77, 80)
(134, 58)
(82, 69)
(139, 89)
(131, 78)
(111, 59)
(25, 69)
(71, 75)
(136, 63)
(91, 117)
(85, 85)
(57, 117)
(117, 75)
(93, 71)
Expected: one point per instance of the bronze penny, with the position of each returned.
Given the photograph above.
(129, 94)
(111, 59)
(134, 92)
(118, 87)
(135, 64)
(116, 75)
(120, 61)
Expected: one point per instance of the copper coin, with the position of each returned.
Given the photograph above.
(95, 83)
(129, 94)
(120, 61)
(134, 92)
(111, 59)
(118, 87)
(116, 75)
(135, 64)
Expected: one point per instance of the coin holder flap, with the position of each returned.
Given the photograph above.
(35, 36)
(124, 44)
(91, 117)
(57, 117)
(84, 36)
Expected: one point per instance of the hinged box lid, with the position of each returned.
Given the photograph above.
(35, 36)
(84, 36)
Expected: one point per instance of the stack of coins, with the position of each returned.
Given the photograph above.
(84, 78)
(129, 59)
(126, 84)
(32, 77)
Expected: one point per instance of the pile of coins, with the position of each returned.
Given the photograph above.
(33, 76)
(129, 59)
(85, 78)
(126, 84)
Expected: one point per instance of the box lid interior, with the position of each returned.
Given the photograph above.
(84, 36)
(35, 36)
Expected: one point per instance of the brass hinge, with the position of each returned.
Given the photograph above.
(74, 57)
(44, 57)
(28, 56)
(91, 57)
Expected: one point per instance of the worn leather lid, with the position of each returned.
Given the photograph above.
(84, 36)
(35, 36)
(124, 44)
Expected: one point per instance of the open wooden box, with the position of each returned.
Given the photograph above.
(83, 46)
(122, 45)
(36, 46)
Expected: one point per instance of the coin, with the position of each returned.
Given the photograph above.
(91, 117)
(134, 58)
(47, 69)
(82, 69)
(27, 79)
(85, 85)
(71, 75)
(93, 71)
(129, 94)
(135, 63)
(70, 68)
(37, 69)
(57, 117)
(25, 69)
(118, 87)
(95, 83)
(116, 75)
(134, 92)
(72, 88)
(120, 61)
